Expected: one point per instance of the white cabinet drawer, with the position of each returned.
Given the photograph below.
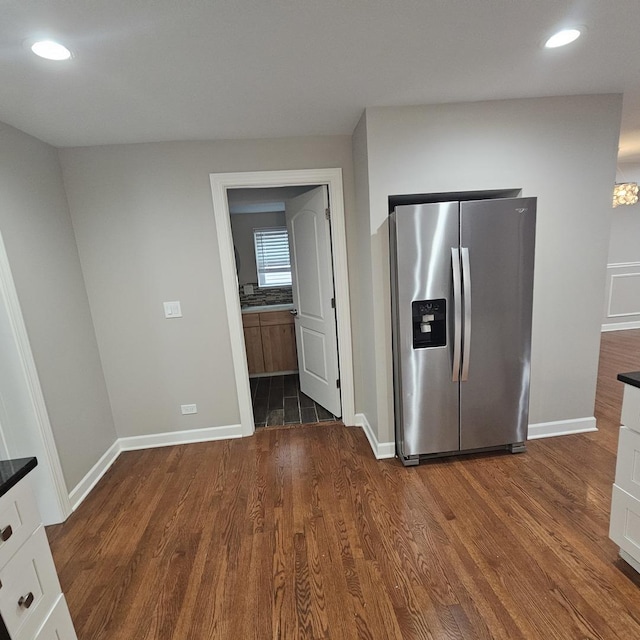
(628, 463)
(58, 625)
(631, 407)
(624, 529)
(19, 518)
(30, 587)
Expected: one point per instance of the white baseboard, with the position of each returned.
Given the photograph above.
(381, 450)
(621, 326)
(153, 440)
(629, 560)
(561, 428)
(83, 488)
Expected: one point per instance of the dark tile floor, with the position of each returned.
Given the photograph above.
(278, 400)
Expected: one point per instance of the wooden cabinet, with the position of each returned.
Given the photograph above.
(253, 342)
(31, 602)
(270, 340)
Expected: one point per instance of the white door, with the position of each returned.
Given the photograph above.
(313, 297)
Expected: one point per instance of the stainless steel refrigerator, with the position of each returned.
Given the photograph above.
(461, 289)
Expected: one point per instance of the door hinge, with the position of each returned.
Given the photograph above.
(327, 213)
(338, 383)
(333, 303)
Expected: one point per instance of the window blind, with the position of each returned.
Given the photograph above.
(272, 257)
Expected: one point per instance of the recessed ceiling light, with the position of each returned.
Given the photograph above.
(50, 50)
(566, 36)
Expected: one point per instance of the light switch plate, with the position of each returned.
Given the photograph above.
(172, 309)
(248, 289)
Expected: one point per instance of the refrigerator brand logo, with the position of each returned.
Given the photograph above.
(522, 210)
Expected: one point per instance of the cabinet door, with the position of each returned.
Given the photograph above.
(279, 347)
(58, 625)
(253, 344)
(30, 587)
(19, 518)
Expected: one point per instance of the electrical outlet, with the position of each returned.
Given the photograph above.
(188, 409)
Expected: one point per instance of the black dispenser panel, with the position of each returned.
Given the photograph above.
(429, 318)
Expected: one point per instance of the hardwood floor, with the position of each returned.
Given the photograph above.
(301, 533)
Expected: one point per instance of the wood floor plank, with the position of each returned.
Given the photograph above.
(299, 533)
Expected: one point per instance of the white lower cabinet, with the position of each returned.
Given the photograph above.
(31, 602)
(30, 586)
(624, 527)
(58, 625)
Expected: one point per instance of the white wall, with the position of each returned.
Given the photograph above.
(622, 293)
(40, 244)
(145, 229)
(562, 150)
(360, 264)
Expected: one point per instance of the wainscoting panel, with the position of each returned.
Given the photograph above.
(622, 306)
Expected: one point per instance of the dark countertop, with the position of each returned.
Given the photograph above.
(632, 378)
(12, 471)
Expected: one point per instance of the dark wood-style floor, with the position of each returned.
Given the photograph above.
(301, 533)
(278, 400)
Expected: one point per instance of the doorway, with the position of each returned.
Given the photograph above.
(221, 184)
(281, 245)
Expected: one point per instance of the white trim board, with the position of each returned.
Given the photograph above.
(190, 436)
(84, 487)
(381, 450)
(134, 443)
(623, 265)
(561, 428)
(220, 183)
(620, 326)
(629, 560)
(51, 492)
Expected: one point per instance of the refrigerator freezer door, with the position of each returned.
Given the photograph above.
(494, 400)
(426, 397)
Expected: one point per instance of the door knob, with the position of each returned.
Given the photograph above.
(293, 312)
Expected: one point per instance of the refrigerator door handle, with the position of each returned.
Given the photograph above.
(457, 313)
(466, 286)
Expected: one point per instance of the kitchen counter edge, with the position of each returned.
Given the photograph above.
(632, 378)
(13, 470)
(267, 307)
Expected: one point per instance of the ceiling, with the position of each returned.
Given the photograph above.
(152, 70)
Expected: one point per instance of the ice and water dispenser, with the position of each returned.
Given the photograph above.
(429, 319)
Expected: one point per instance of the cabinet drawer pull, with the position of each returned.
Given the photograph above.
(6, 533)
(26, 601)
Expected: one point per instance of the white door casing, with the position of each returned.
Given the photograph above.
(220, 182)
(312, 278)
(24, 420)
